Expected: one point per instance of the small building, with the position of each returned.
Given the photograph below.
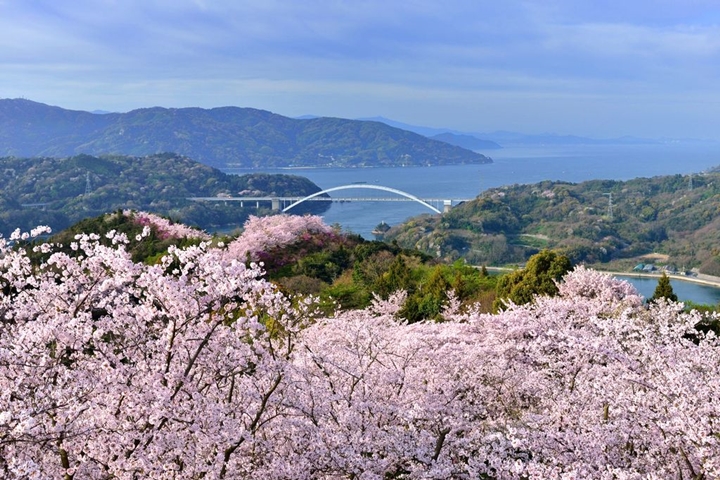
(639, 267)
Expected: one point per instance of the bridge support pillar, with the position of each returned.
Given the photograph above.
(275, 204)
(447, 205)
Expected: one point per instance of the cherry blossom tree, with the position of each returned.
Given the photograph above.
(111, 369)
(590, 384)
(265, 234)
(165, 228)
(198, 368)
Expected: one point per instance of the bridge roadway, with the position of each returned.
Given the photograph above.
(279, 203)
(319, 197)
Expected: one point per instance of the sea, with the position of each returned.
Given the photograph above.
(515, 165)
(685, 291)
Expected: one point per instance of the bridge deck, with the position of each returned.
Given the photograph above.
(325, 199)
(321, 196)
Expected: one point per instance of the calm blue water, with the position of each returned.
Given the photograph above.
(511, 166)
(685, 291)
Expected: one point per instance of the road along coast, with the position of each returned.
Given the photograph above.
(700, 278)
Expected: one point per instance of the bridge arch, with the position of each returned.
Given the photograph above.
(367, 187)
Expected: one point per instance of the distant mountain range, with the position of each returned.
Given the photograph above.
(219, 137)
(466, 141)
(515, 139)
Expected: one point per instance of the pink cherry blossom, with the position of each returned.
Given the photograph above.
(196, 367)
(165, 228)
(262, 234)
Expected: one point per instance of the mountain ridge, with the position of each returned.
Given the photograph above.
(221, 137)
(470, 142)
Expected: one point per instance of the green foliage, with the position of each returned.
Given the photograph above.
(704, 309)
(711, 264)
(347, 295)
(347, 271)
(343, 270)
(537, 278)
(325, 266)
(54, 190)
(427, 301)
(510, 224)
(397, 277)
(664, 290)
(433, 284)
(148, 251)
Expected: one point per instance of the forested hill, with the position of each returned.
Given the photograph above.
(677, 216)
(220, 137)
(60, 192)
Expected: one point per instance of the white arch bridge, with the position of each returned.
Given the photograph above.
(286, 203)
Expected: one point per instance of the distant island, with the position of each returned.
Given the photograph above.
(61, 192)
(466, 141)
(220, 137)
(504, 139)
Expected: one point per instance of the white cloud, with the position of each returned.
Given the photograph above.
(355, 55)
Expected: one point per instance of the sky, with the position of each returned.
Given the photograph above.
(646, 68)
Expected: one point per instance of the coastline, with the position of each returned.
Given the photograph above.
(701, 278)
(227, 167)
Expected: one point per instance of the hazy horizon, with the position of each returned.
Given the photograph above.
(642, 68)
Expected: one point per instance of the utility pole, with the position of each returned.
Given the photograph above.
(88, 185)
(610, 206)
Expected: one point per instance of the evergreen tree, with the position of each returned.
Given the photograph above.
(537, 278)
(427, 301)
(396, 278)
(664, 290)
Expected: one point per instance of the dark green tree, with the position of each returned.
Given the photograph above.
(664, 290)
(537, 278)
(396, 278)
(428, 299)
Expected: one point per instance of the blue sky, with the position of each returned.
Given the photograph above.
(595, 68)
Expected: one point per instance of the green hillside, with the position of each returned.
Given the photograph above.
(669, 215)
(220, 137)
(54, 192)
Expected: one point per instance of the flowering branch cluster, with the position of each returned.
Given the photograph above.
(576, 386)
(165, 228)
(112, 369)
(198, 368)
(265, 234)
